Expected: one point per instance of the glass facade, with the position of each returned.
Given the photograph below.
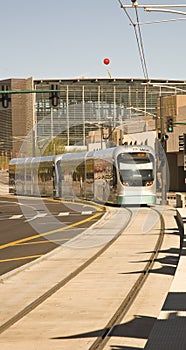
(71, 108)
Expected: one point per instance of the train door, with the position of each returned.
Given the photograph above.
(113, 184)
(67, 178)
(103, 176)
(78, 179)
(45, 178)
(35, 180)
(12, 187)
(89, 184)
(20, 176)
(58, 179)
(28, 177)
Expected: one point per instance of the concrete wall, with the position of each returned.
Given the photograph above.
(177, 173)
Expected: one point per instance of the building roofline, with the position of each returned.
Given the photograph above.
(113, 79)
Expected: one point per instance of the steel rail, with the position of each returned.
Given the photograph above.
(101, 341)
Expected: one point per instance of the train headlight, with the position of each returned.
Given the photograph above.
(149, 183)
(125, 183)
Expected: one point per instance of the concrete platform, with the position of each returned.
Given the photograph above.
(169, 331)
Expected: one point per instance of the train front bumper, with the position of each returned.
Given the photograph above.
(137, 200)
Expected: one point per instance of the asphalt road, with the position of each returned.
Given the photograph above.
(31, 227)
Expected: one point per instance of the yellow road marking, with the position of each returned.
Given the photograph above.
(27, 239)
(43, 242)
(21, 258)
(99, 207)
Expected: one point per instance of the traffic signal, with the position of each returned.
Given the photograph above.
(169, 124)
(54, 95)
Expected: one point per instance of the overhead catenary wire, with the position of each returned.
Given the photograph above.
(163, 21)
(141, 44)
(152, 9)
(139, 39)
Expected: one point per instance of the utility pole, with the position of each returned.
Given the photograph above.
(163, 164)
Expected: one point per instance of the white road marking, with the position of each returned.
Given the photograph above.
(65, 213)
(88, 212)
(37, 216)
(41, 215)
(15, 217)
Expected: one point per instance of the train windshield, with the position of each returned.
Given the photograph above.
(136, 169)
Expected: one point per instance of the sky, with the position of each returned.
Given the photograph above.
(70, 38)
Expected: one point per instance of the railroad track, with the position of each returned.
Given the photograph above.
(127, 302)
(63, 282)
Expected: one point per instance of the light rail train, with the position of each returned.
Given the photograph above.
(121, 175)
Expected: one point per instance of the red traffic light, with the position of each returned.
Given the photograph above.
(106, 61)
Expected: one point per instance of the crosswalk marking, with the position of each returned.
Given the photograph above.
(88, 212)
(64, 213)
(41, 215)
(15, 217)
(37, 216)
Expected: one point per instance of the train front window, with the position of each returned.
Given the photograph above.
(136, 169)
